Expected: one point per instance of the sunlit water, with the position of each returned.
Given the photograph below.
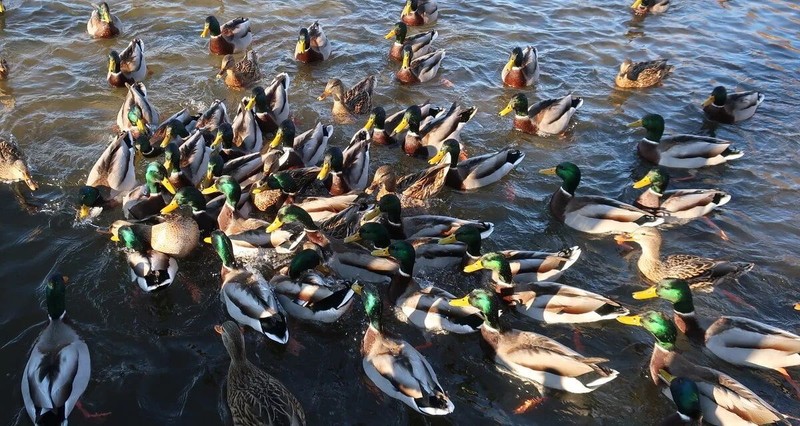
(156, 358)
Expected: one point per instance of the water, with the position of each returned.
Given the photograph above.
(156, 359)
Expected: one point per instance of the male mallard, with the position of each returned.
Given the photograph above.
(241, 74)
(192, 198)
(150, 269)
(677, 203)
(549, 302)
(271, 105)
(246, 130)
(475, 172)
(395, 367)
(420, 43)
(525, 266)
(643, 7)
(425, 139)
(642, 74)
(2, 7)
(174, 129)
(128, 67)
(686, 395)
(312, 45)
(357, 100)
(282, 145)
(419, 69)
(699, 271)
(3, 68)
(13, 165)
(378, 123)
(349, 170)
(233, 37)
(112, 176)
(419, 12)
(681, 151)
(592, 213)
(546, 118)
(312, 143)
(102, 24)
(213, 117)
(148, 199)
(533, 357)
(136, 98)
(59, 366)
(188, 164)
(723, 400)
(522, 68)
(272, 192)
(247, 296)
(231, 220)
(729, 108)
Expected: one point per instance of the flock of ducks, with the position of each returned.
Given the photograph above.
(254, 189)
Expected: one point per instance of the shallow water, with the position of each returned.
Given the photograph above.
(156, 358)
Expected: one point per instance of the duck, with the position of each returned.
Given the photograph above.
(271, 104)
(187, 165)
(152, 270)
(420, 12)
(593, 214)
(233, 217)
(396, 367)
(307, 294)
(677, 203)
(247, 296)
(701, 272)
(525, 266)
(312, 143)
(272, 192)
(421, 44)
(282, 146)
(549, 302)
(346, 103)
(545, 118)
(246, 130)
(191, 198)
(533, 357)
(686, 395)
(348, 170)
(312, 45)
(112, 176)
(475, 172)
(136, 98)
(723, 400)
(222, 145)
(420, 68)
(174, 129)
(729, 108)
(414, 189)
(4, 68)
(522, 68)
(240, 74)
(378, 123)
(254, 396)
(234, 36)
(148, 199)
(14, 165)
(176, 234)
(211, 119)
(128, 67)
(643, 7)
(102, 24)
(681, 151)
(59, 367)
(2, 7)
(424, 139)
(642, 74)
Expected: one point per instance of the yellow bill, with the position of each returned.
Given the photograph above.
(637, 123)
(372, 214)
(650, 293)
(708, 101)
(275, 225)
(301, 46)
(250, 104)
(797, 306)
(630, 319)
(168, 186)
(406, 10)
(437, 158)
(510, 63)
(461, 302)
(276, 141)
(83, 212)
(643, 182)
(210, 190)
(207, 240)
(477, 266)
(324, 171)
(114, 238)
(390, 34)
(384, 252)
(637, 4)
(402, 126)
(170, 207)
(352, 238)
(450, 239)
(665, 376)
(370, 123)
(550, 172)
(356, 287)
(507, 109)
(205, 32)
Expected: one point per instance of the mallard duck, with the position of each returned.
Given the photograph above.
(247, 296)
(729, 108)
(475, 172)
(312, 143)
(420, 43)
(378, 123)
(174, 129)
(59, 366)
(533, 357)
(282, 145)
(723, 400)
(681, 151)
(701, 272)
(643, 7)
(241, 74)
(546, 118)
(309, 295)
(233, 217)
(112, 176)
(419, 12)
(246, 130)
(272, 192)
(128, 67)
(233, 37)
(525, 266)
(395, 367)
(349, 170)
(177, 235)
(136, 98)
(223, 146)
(13, 165)
(148, 199)
(312, 45)
(191, 197)
(357, 100)
(421, 68)
(150, 269)
(213, 117)
(3, 68)
(677, 203)
(255, 397)
(549, 302)
(102, 24)
(187, 165)
(592, 213)
(642, 74)
(271, 105)
(686, 395)
(426, 141)
(522, 68)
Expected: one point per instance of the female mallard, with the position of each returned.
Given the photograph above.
(255, 397)
(112, 176)
(475, 172)
(3, 68)
(136, 101)
(395, 367)
(549, 302)
(357, 100)
(699, 271)
(378, 123)
(591, 213)
(413, 189)
(213, 117)
(127, 67)
(419, 12)
(533, 357)
(241, 74)
(349, 170)
(13, 165)
(425, 139)
(150, 269)
(247, 296)
(187, 165)
(729, 108)
(420, 43)
(271, 104)
(643, 7)
(177, 235)
(233, 37)
(723, 400)
(59, 366)
(546, 118)
(522, 68)
(246, 130)
(681, 151)
(148, 199)
(525, 266)
(312, 45)
(102, 24)
(421, 68)
(677, 203)
(642, 74)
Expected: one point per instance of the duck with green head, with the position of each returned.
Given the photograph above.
(677, 203)
(686, 395)
(420, 44)
(102, 24)
(723, 400)
(396, 367)
(283, 145)
(419, 12)
(273, 191)
(419, 68)
(545, 118)
(348, 170)
(233, 219)
(475, 172)
(312, 45)
(246, 130)
(112, 176)
(522, 68)
(136, 98)
(188, 164)
(729, 108)
(128, 67)
(424, 138)
(271, 105)
(151, 269)
(379, 124)
(191, 198)
(232, 37)
(213, 117)
(148, 199)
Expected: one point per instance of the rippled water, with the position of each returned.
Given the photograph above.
(156, 359)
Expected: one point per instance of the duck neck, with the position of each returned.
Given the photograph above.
(660, 359)
(395, 228)
(559, 201)
(650, 260)
(401, 281)
(473, 251)
(649, 199)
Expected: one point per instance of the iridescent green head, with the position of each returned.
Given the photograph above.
(399, 32)
(390, 206)
(720, 96)
(656, 178)
(569, 173)
(411, 120)
(372, 305)
(114, 62)
(284, 136)
(516, 58)
(654, 124)
(495, 262)
(222, 245)
(658, 324)
(223, 137)
(292, 213)
(332, 162)
(211, 27)
(375, 233)
(189, 196)
(129, 239)
(450, 146)
(518, 104)
(172, 158)
(261, 99)
(403, 252)
(231, 188)
(469, 235)
(377, 119)
(281, 180)
(154, 175)
(302, 262)
(55, 294)
(486, 302)
(686, 396)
